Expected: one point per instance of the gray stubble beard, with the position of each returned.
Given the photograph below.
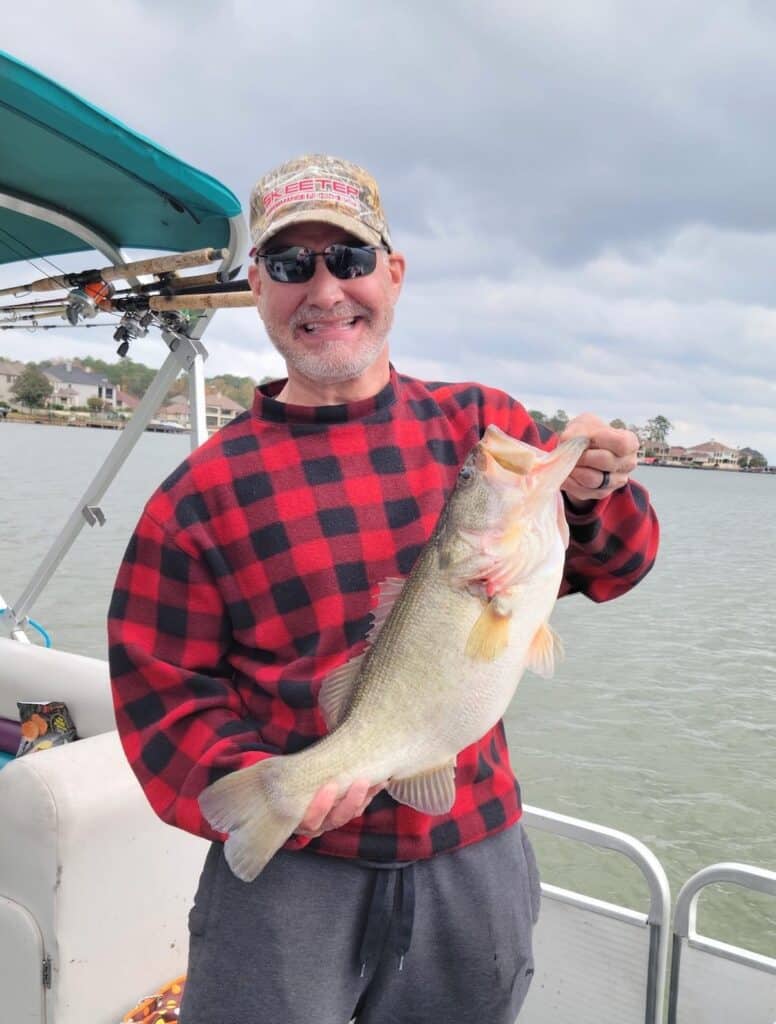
(332, 362)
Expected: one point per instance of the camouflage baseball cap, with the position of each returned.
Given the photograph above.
(317, 187)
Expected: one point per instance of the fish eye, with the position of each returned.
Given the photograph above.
(466, 472)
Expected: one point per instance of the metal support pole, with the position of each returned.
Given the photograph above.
(184, 353)
(197, 403)
(17, 633)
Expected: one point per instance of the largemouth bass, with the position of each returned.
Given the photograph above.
(445, 653)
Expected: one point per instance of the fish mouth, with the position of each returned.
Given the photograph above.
(509, 453)
(508, 461)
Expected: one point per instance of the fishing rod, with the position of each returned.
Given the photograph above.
(31, 307)
(45, 311)
(34, 326)
(86, 303)
(155, 265)
(178, 282)
(102, 294)
(234, 299)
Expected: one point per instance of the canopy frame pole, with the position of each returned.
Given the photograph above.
(239, 241)
(197, 402)
(182, 356)
(186, 353)
(49, 214)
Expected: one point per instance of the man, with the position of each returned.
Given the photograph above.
(250, 577)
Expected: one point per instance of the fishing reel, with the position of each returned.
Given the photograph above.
(130, 327)
(86, 302)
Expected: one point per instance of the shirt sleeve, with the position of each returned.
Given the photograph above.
(613, 542)
(180, 719)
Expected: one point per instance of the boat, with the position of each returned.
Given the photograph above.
(167, 427)
(94, 889)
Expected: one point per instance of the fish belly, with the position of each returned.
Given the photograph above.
(422, 699)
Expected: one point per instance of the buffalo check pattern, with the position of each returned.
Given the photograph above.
(251, 575)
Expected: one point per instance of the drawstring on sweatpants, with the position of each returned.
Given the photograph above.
(406, 883)
(387, 899)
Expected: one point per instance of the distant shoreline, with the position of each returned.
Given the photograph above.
(769, 471)
(36, 419)
(104, 424)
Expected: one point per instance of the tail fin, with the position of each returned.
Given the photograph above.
(245, 804)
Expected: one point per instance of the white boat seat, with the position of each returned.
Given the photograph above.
(90, 879)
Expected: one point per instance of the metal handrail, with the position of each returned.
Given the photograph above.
(658, 916)
(685, 917)
(685, 914)
(610, 839)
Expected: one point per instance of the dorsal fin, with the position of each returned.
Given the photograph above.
(387, 595)
(337, 688)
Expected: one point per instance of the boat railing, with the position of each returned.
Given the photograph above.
(599, 962)
(712, 980)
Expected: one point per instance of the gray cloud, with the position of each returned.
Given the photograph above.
(585, 194)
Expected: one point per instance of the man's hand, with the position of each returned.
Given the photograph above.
(605, 465)
(327, 811)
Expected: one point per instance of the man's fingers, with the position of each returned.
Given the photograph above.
(606, 464)
(599, 460)
(618, 442)
(327, 811)
(350, 806)
(318, 809)
(610, 439)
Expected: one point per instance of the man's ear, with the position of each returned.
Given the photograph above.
(396, 268)
(254, 280)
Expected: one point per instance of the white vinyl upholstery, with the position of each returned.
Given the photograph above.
(89, 876)
(36, 674)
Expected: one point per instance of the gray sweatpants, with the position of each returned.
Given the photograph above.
(319, 940)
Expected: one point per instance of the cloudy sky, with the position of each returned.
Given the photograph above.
(585, 194)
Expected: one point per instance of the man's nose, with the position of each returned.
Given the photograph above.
(324, 289)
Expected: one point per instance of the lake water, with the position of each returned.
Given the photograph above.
(661, 722)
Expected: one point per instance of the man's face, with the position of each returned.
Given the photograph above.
(326, 329)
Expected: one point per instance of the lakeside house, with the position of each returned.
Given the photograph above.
(714, 453)
(219, 410)
(74, 386)
(125, 402)
(708, 455)
(9, 374)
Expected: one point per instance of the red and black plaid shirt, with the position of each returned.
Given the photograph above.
(251, 575)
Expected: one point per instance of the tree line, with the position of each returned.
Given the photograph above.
(652, 436)
(655, 430)
(33, 388)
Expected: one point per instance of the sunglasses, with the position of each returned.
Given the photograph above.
(296, 264)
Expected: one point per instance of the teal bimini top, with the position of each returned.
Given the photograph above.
(60, 152)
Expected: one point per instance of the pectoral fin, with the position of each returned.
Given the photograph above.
(489, 635)
(431, 792)
(546, 648)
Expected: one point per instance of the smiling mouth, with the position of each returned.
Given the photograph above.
(311, 326)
